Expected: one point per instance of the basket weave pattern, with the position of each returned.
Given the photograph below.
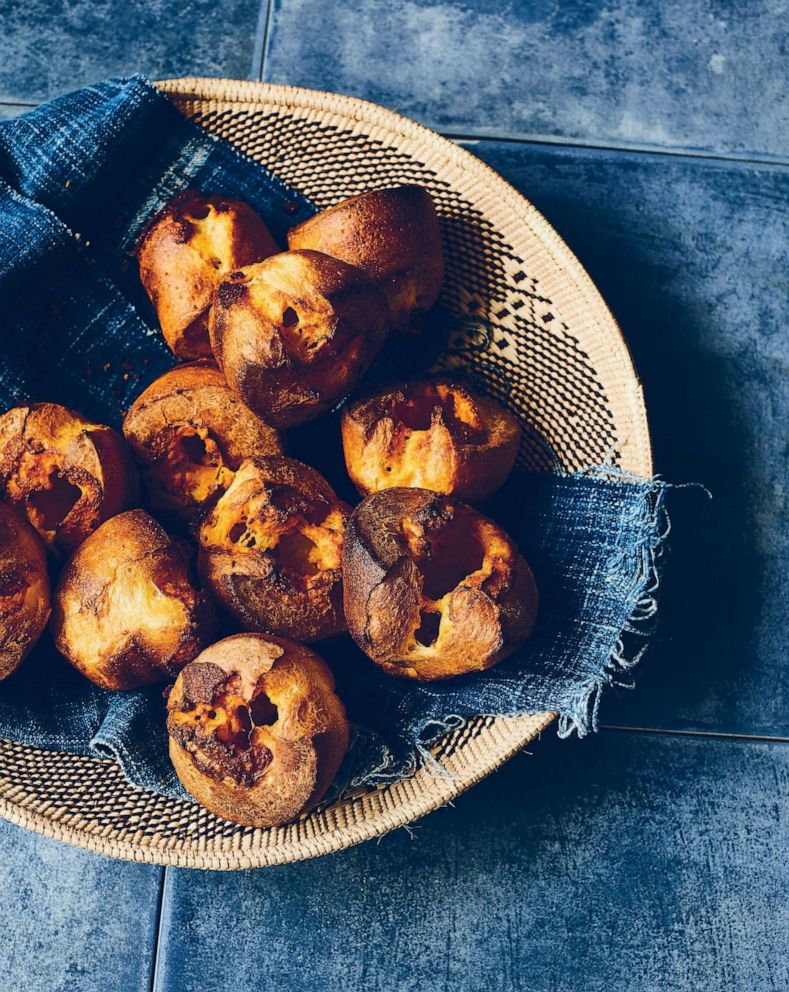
(526, 320)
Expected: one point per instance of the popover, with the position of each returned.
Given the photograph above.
(431, 435)
(295, 333)
(185, 251)
(66, 474)
(126, 610)
(271, 550)
(257, 732)
(189, 433)
(432, 587)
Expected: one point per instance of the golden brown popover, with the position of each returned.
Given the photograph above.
(295, 333)
(65, 473)
(24, 589)
(432, 587)
(185, 251)
(257, 732)
(429, 435)
(189, 432)
(271, 550)
(125, 611)
(391, 234)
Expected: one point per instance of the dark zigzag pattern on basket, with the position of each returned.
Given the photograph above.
(533, 363)
(90, 794)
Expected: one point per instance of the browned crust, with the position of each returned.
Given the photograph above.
(271, 550)
(412, 555)
(429, 434)
(260, 771)
(391, 234)
(47, 449)
(183, 253)
(126, 612)
(193, 402)
(24, 590)
(295, 333)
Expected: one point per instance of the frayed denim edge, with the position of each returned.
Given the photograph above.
(581, 712)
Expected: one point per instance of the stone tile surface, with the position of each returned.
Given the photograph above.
(690, 74)
(71, 921)
(48, 47)
(624, 863)
(692, 258)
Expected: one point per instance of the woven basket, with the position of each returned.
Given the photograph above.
(529, 323)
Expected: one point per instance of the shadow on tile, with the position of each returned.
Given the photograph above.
(691, 257)
(671, 74)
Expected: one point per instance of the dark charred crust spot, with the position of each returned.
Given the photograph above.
(201, 682)
(219, 760)
(287, 501)
(434, 515)
(231, 291)
(129, 667)
(226, 749)
(171, 209)
(13, 586)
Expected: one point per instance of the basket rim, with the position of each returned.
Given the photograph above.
(17, 808)
(195, 856)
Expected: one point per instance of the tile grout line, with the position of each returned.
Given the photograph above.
(263, 29)
(160, 907)
(560, 142)
(262, 32)
(708, 734)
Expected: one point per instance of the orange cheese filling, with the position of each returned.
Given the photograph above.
(475, 557)
(194, 464)
(414, 443)
(231, 719)
(213, 236)
(305, 544)
(48, 489)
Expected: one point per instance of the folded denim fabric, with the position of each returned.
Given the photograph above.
(69, 335)
(78, 180)
(106, 158)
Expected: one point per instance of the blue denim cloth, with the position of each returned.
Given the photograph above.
(79, 178)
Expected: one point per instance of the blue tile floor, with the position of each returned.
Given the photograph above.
(691, 256)
(631, 862)
(70, 920)
(673, 74)
(653, 135)
(51, 47)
